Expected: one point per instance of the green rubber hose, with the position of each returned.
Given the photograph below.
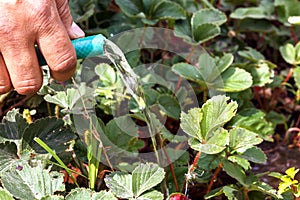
(84, 47)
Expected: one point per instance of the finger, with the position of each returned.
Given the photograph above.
(55, 44)
(5, 84)
(22, 65)
(72, 28)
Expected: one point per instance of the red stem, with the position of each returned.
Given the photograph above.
(214, 177)
(171, 169)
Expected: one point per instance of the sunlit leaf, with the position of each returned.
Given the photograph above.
(87, 194)
(242, 139)
(32, 182)
(234, 80)
(288, 53)
(190, 123)
(216, 112)
(5, 195)
(145, 177)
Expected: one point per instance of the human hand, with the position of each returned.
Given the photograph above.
(24, 23)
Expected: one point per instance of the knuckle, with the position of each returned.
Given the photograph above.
(65, 63)
(4, 88)
(28, 86)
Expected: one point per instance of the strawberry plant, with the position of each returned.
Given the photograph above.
(207, 109)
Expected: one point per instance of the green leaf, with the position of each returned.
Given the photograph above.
(169, 105)
(145, 177)
(288, 53)
(187, 71)
(64, 99)
(234, 80)
(168, 10)
(79, 193)
(235, 171)
(265, 189)
(131, 7)
(87, 194)
(8, 156)
(151, 195)
(224, 62)
(5, 195)
(216, 112)
(205, 32)
(32, 182)
(297, 48)
(208, 16)
(208, 68)
(152, 11)
(53, 197)
(251, 54)
(215, 144)
(103, 195)
(52, 131)
(250, 12)
(261, 72)
(122, 134)
(182, 29)
(106, 73)
(120, 184)
(240, 161)
(242, 139)
(297, 76)
(190, 123)
(13, 126)
(255, 154)
(254, 120)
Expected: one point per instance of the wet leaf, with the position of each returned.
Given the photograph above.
(52, 131)
(169, 105)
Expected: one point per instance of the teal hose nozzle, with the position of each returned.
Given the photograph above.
(84, 47)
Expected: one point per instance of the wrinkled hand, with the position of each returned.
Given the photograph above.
(24, 23)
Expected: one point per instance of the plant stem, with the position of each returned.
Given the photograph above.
(171, 170)
(214, 177)
(288, 76)
(55, 156)
(293, 34)
(190, 171)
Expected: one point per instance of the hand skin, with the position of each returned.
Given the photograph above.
(24, 23)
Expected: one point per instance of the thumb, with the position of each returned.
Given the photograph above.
(72, 28)
(75, 31)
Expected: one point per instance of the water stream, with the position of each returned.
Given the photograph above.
(130, 79)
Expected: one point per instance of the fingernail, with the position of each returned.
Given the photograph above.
(77, 30)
